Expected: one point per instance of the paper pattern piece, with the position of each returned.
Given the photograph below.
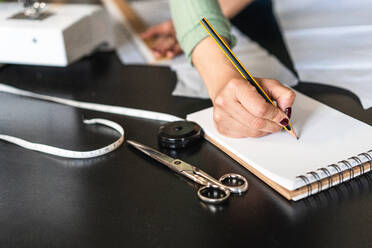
(257, 61)
(330, 42)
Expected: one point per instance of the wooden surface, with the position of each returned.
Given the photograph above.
(137, 26)
(135, 21)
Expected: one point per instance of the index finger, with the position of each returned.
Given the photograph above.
(283, 95)
(254, 103)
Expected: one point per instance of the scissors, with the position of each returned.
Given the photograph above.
(213, 190)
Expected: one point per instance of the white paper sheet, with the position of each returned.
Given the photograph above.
(257, 61)
(326, 136)
(330, 42)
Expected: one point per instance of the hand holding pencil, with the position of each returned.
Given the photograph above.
(243, 106)
(239, 111)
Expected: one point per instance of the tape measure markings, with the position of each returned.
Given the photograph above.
(82, 105)
(69, 153)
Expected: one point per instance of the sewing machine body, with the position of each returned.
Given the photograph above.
(62, 34)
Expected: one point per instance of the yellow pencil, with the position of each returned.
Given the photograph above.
(234, 60)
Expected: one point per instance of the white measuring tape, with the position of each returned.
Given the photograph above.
(92, 106)
(68, 153)
(82, 105)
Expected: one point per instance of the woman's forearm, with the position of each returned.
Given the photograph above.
(239, 110)
(213, 66)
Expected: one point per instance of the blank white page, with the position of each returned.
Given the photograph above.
(326, 137)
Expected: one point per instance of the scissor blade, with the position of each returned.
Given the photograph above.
(174, 164)
(161, 157)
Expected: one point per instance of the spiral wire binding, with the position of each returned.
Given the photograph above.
(338, 169)
(317, 178)
(339, 172)
(369, 158)
(360, 164)
(349, 167)
(329, 176)
(308, 184)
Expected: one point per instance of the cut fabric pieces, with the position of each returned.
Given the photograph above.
(189, 82)
(256, 60)
(330, 42)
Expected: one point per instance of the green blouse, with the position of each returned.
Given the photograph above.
(186, 15)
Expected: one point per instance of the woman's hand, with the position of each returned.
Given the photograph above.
(240, 111)
(164, 41)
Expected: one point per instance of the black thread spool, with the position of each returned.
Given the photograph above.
(179, 134)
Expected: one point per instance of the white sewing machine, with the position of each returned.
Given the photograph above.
(53, 34)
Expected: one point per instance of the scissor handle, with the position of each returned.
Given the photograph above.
(236, 183)
(213, 193)
(218, 193)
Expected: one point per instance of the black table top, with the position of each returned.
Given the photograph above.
(125, 199)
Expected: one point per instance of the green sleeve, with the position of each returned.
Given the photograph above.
(186, 15)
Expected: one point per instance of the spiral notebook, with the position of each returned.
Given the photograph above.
(332, 148)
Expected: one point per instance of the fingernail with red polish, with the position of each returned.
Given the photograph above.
(284, 122)
(288, 112)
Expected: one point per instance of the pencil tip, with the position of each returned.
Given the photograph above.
(293, 133)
